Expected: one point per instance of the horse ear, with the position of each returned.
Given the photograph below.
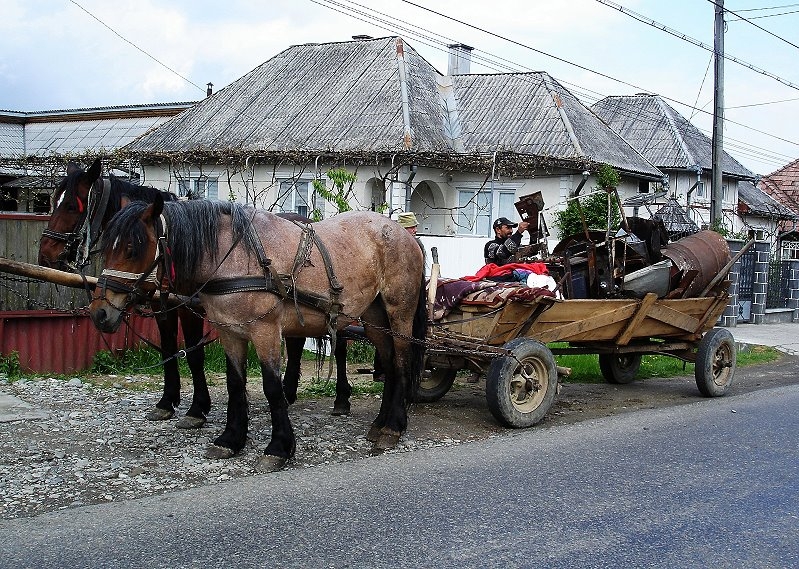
(153, 210)
(94, 171)
(158, 205)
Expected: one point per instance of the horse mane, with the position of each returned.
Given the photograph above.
(134, 192)
(192, 231)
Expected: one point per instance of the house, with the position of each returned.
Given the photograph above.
(668, 140)
(35, 146)
(783, 186)
(763, 216)
(458, 149)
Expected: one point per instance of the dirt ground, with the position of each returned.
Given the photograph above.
(90, 442)
(462, 414)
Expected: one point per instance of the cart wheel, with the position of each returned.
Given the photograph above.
(434, 386)
(619, 368)
(521, 388)
(715, 362)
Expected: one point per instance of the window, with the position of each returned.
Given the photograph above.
(700, 190)
(476, 212)
(199, 187)
(299, 196)
(41, 203)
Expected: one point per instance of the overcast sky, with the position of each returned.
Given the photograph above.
(63, 54)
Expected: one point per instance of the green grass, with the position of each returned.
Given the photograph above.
(147, 361)
(585, 368)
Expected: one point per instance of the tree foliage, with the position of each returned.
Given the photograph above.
(594, 207)
(339, 195)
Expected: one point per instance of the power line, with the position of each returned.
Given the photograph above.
(761, 28)
(650, 22)
(769, 8)
(764, 16)
(431, 41)
(499, 36)
(123, 38)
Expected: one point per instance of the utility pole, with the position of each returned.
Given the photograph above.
(716, 192)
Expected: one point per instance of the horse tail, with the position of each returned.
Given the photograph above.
(416, 364)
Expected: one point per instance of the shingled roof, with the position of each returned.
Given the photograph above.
(783, 186)
(757, 202)
(380, 95)
(532, 113)
(662, 135)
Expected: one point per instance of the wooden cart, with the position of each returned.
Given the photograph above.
(509, 345)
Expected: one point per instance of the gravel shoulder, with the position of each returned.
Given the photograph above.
(85, 444)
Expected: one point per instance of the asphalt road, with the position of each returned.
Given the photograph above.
(713, 483)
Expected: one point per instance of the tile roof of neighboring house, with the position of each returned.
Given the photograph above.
(760, 203)
(360, 97)
(663, 135)
(783, 185)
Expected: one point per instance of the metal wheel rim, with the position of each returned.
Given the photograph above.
(529, 385)
(433, 380)
(722, 365)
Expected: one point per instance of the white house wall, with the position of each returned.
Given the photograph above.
(460, 254)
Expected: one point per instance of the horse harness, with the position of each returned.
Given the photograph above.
(282, 285)
(78, 243)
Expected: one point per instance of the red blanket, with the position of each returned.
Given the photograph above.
(492, 270)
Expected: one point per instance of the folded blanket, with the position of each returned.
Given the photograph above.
(453, 292)
(492, 270)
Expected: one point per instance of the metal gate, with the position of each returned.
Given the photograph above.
(746, 286)
(777, 292)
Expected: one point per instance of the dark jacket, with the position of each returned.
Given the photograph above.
(499, 251)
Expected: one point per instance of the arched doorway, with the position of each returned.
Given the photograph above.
(427, 202)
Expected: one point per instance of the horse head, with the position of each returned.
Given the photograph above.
(61, 241)
(133, 251)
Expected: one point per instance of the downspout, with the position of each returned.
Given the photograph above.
(491, 201)
(409, 187)
(403, 78)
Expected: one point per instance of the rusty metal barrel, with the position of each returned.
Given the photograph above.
(706, 252)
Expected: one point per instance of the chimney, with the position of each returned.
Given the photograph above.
(460, 57)
(210, 90)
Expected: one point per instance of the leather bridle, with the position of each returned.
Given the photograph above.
(78, 244)
(111, 279)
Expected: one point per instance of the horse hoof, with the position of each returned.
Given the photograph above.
(373, 434)
(216, 452)
(270, 463)
(159, 414)
(189, 422)
(388, 439)
(341, 409)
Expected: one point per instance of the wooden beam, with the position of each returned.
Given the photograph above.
(643, 308)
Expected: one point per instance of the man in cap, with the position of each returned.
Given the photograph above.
(408, 221)
(505, 243)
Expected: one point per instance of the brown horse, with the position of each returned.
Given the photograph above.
(260, 277)
(83, 204)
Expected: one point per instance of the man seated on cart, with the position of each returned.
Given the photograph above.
(505, 243)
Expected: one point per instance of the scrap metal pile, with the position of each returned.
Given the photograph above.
(628, 261)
